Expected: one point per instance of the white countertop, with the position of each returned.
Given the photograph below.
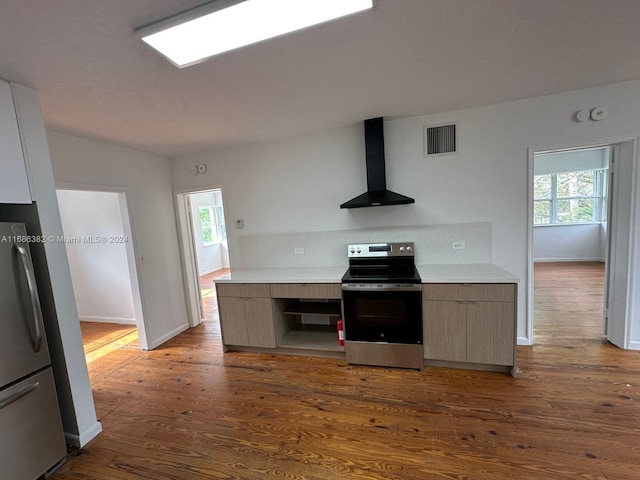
(465, 273)
(285, 275)
(437, 273)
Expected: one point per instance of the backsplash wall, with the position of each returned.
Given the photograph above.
(329, 249)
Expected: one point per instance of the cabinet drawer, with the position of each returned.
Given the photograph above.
(492, 292)
(33, 440)
(445, 291)
(321, 290)
(306, 290)
(243, 290)
(475, 292)
(286, 290)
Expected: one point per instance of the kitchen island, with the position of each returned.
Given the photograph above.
(469, 313)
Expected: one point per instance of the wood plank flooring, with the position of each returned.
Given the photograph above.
(108, 346)
(186, 411)
(561, 288)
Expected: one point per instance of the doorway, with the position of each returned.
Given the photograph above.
(579, 221)
(203, 238)
(569, 243)
(99, 247)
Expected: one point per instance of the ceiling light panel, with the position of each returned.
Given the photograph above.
(196, 39)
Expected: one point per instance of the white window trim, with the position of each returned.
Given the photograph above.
(599, 199)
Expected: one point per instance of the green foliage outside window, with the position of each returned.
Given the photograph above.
(212, 225)
(206, 225)
(571, 197)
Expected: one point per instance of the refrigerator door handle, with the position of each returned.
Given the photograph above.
(36, 330)
(18, 395)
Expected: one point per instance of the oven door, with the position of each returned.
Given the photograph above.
(387, 313)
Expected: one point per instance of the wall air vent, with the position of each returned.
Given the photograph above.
(440, 140)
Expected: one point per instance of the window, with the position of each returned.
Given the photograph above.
(569, 197)
(212, 225)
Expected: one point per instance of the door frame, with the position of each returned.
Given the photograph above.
(188, 256)
(133, 259)
(632, 196)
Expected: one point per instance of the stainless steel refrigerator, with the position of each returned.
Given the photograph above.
(31, 437)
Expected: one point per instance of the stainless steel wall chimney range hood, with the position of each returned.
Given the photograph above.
(377, 194)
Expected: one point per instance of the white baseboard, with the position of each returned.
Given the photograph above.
(634, 345)
(523, 341)
(555, 260)
(159, 341)
(120, 320)
(85, 437)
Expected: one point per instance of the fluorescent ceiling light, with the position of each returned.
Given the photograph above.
(192, 40)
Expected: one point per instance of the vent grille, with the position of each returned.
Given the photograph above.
(440, 139)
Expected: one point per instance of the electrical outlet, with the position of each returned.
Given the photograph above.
(298, 251)
(457, 245)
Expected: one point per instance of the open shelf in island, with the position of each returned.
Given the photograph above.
(310, 337)
(307, 325)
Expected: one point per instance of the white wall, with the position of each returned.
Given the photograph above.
(147, 177)
(210, 257)
(571, 161)
(329, 249)
(570, 242)
(562, 243)
(99, 271)
(50, 259)
(297, 185)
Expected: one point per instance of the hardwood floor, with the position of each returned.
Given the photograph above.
(562, 288)
(186, 411)
(208, 293)
(108, 346)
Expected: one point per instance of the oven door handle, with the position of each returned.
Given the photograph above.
(381, 287)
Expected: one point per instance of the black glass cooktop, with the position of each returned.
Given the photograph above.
(354, 275)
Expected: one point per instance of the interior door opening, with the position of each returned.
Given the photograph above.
(570, 189)
(579, 222)
(99, 245)
(203, 236)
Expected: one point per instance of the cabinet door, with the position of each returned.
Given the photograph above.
(233, 321)
(445, 330)
(259, 322)
(14, 185)
(490, 332)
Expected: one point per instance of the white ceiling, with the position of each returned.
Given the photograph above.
(403, 58)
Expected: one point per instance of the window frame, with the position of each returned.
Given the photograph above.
(216, 224)
(599, 198)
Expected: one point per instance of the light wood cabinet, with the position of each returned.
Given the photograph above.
(14, 184)
(271, 315)
(472, 323)
(491, 332)
(295, 303)
(445, 330)
(246, 315)
(306, 290)
(243, 290)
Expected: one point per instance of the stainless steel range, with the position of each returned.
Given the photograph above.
(382, 306)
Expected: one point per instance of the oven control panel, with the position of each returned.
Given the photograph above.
(404, 249)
